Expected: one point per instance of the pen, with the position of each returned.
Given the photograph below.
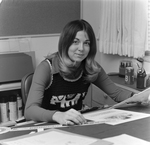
(39, 123)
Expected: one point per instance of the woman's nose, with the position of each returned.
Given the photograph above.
(81, 47)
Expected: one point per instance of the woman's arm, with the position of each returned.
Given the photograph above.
(142, 98)
(108, 86)
(41, 79)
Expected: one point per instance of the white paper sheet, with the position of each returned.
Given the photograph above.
(53, 138)
(125, 139)
(114, 116)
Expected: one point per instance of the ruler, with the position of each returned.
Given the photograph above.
(51, 126)
(36, 127)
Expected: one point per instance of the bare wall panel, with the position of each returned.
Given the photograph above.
(36, 17)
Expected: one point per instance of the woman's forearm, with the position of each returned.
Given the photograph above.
(40, 114)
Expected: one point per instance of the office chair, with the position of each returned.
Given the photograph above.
(25, 86)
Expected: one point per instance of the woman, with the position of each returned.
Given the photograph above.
(61, 81)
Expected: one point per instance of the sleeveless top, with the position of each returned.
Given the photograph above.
(63, 94)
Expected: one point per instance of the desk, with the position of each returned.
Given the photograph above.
(139, 128)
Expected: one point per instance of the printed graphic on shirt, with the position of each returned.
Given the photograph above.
(67, 100)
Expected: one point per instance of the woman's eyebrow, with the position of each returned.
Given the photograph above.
(85, 40)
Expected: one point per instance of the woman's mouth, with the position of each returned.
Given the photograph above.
(79, 55)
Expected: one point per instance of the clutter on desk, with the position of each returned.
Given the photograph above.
(4, 109)
(11, 108)
(126, 70)
(123, 65)
(12, 103)
(19, 106)
(141, 78)
(134, 72)
(135, 63)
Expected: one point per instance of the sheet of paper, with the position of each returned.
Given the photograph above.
(125, 139)
(53, 138)
(114, 116)
(121, 104)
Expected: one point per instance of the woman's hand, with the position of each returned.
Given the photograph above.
(139, 98)
(70, 117)
(142, 98)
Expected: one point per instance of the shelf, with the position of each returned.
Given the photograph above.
(10, 86)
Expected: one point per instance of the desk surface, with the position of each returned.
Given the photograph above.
(138, 128)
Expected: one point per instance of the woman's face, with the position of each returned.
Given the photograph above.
(80, 47)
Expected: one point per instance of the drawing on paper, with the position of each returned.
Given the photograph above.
(114, 116)
(117, 117)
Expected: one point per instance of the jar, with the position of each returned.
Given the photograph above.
(13, 107)
(129, 75)
(19, 106)
(4, 115)
(141, 81)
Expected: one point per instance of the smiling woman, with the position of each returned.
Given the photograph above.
(61, 81)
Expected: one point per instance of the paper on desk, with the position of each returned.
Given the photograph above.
(114, 116)
(124, 103)
(125, 139)
(55, 137)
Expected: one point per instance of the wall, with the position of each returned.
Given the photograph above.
(36, 17)
(43, 46)
(48, 44)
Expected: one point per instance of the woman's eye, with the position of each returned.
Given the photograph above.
(87, 43)
(76, 42)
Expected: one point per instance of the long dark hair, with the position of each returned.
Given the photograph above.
(68, 34)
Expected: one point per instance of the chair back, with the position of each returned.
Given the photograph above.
(25, 86)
